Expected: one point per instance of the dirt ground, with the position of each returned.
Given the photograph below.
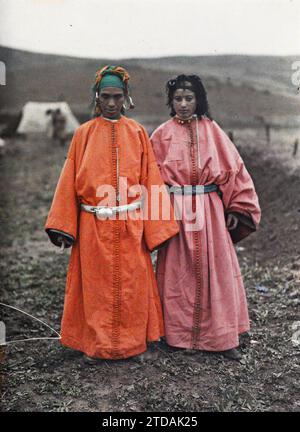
(44, 376)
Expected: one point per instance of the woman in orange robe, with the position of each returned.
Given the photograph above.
(112, 306)
(198, 274)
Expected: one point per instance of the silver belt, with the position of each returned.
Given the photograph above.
(110, 211)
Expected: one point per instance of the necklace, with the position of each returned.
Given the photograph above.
(186, 121)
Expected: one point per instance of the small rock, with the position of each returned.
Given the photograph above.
(261, 288)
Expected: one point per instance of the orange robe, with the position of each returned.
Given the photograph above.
(112, 306)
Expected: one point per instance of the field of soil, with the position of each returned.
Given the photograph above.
(42, 375)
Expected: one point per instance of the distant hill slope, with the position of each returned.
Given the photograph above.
(240, 88)
(263, 72)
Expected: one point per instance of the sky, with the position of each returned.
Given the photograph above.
(151, 28)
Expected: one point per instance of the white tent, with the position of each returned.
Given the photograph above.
(35, 119)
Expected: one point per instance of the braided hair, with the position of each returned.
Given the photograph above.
(193, 83)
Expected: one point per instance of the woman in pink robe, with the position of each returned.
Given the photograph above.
(198, 274)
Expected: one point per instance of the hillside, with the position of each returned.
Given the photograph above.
(240, 88)
(262, 72)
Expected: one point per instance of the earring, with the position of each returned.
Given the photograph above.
(128, 103)
(97, 108)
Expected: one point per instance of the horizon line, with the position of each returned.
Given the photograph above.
(224, 54)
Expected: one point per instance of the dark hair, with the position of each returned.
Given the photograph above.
(196, 86)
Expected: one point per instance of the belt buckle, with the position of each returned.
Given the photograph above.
(104, 212)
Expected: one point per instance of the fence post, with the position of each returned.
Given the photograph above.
(295, 149)
(2, 73)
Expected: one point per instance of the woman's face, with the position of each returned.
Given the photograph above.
(111, 100)
(184, 103)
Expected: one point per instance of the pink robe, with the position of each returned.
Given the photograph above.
(198, 273)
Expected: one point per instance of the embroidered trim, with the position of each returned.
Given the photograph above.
(197, 315)
(116, 279)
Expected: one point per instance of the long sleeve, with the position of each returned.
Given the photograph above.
(63, 214)
(239, 197)
(159, 223)
(57, 237)
(238, 192)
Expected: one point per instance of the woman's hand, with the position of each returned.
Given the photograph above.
(231, 221)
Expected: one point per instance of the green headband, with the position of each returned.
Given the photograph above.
(111, 80)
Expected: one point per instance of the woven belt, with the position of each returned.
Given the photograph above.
(110, 211)
(193, 190)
